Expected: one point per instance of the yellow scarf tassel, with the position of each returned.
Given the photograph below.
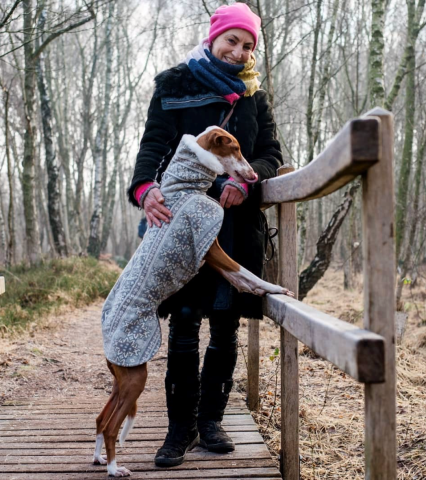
(249, 76)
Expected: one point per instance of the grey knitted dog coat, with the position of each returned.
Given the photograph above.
(165, 261)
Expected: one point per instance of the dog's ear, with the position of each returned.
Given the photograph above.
(221, 139)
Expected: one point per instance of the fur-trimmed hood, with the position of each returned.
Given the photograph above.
(178, 82)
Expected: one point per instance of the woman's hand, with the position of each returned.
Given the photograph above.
(155, 211)
(231, 196)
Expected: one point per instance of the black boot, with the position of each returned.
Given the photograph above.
(214, 438)
(216, 384)
(180, 439)
(182, 401)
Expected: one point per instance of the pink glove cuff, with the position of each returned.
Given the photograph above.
(139, 191)
(244, 185)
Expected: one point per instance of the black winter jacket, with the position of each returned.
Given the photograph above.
(171, 114)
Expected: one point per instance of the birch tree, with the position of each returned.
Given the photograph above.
(376, 72)
(53, 194)
(410, 119)
(94, 247)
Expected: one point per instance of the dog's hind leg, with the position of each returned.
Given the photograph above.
(101, 421)
(131, 383)
(128, 425)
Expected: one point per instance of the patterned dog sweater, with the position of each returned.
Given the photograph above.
(167, 259)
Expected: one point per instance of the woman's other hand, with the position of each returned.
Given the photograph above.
(231, 196)
(155, 211)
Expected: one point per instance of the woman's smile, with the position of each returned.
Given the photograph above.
(229, 60)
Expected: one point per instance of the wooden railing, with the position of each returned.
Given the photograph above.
(363, 147)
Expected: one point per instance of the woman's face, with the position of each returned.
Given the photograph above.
(233, 46)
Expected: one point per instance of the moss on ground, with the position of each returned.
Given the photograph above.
(33, 292)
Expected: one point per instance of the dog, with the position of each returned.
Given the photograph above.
(166, 260)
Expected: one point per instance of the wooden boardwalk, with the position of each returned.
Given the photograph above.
(45, 439)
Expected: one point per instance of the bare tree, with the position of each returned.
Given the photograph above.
(319, 265)
(94, 247)
(31, 55)
(53, 194)
(410, 119)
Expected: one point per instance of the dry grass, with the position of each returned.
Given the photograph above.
(51, 287)
(331, 404)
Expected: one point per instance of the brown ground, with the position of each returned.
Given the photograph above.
(63, 357)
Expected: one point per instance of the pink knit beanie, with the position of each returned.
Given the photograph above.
(237, 15)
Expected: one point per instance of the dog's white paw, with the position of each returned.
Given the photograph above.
(99, 460)
(122, 472)
(114, 471)
(271, 288)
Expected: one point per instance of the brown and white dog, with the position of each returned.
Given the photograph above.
(129, 382)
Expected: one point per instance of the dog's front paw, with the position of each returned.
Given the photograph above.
(99, 460)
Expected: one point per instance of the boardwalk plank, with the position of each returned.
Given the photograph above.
(166, 474)
(54, 440)
(147, 421)
(14, 455)
(242, 437)
(126, 458)
(74, 412)
(218, 463)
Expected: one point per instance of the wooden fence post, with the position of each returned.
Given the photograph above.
(289, 458)
(253, 365)
(379, 304)
(2, 285)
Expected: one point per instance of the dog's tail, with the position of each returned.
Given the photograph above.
(126, 429)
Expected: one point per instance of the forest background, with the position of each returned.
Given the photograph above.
(76, 78)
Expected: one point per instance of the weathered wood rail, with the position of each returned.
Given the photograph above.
(363, 147)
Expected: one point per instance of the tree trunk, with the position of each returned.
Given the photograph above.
(267, 41)
(407, 152)
(310, 276)
(326, 76)
(302, 208)
(311, 93)
(10, 248)
(406, 265)
(109, 200)
(403, 67)
(94, 247)
(53, 195)
(87, 128)
(28, 173)
(62, 134)
(377, 45)
(2, 235)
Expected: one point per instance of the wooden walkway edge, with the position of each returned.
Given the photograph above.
(54, 439)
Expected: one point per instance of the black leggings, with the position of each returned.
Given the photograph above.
(219, 361)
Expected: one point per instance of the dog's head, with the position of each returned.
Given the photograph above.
(226, 149)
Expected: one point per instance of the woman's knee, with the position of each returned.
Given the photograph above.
(224, 331)
(184, 330)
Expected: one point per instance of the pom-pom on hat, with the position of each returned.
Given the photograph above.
(237, 15)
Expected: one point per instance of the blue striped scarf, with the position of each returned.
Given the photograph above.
(221, 77)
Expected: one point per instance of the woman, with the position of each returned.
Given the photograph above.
(217, 76)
